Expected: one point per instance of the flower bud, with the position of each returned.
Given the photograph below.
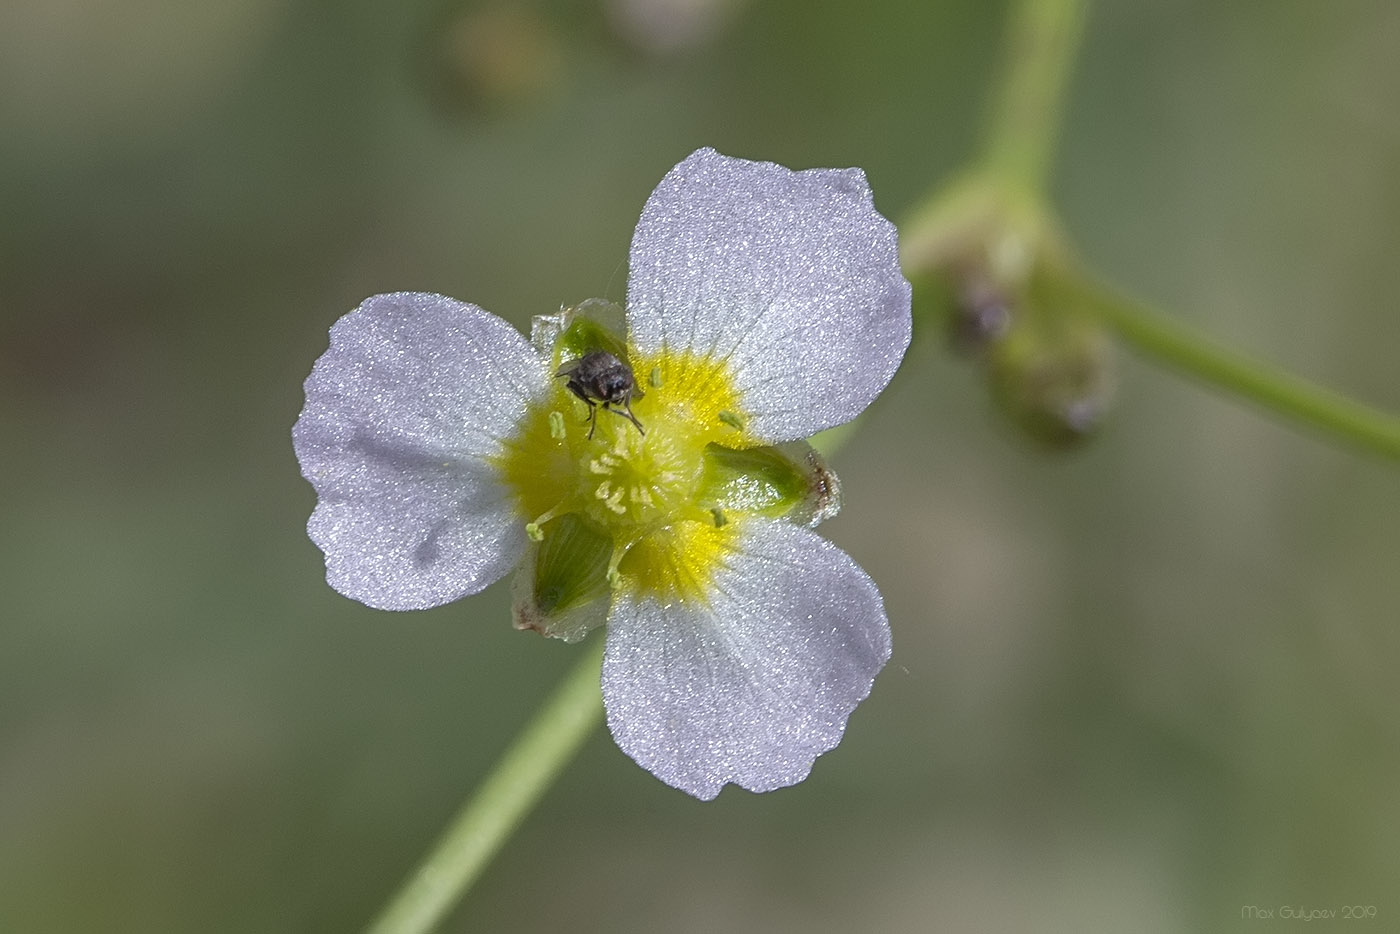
(1052, 374)
(996, 268)
(494, 58)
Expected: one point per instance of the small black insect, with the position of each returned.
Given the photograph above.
(599, 377)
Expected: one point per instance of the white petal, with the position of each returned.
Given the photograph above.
(791, 277)
(753, 688)
(402, 412)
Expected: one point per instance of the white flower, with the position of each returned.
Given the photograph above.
(763, 305)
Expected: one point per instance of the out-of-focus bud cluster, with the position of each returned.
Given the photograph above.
(501, 57)
(494, 58)
(995, 270)
(1053, 376)
(666, 27)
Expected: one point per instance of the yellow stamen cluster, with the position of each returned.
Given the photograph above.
(640, 490)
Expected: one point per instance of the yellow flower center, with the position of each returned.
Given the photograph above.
(640, 489)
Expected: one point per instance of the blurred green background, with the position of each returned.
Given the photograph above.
(1138, 687)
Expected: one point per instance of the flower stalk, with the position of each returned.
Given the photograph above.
(1042, 42)
(1331, 414)
(521, 777)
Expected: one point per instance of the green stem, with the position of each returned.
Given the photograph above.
(520, 779)
(1331, 413)
(1042, 40)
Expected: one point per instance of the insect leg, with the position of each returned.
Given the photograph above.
(573, 387)
(592, 416)
(625, 412)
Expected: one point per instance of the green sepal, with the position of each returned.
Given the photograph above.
(591, 325)
(788, 481)
(562, 589)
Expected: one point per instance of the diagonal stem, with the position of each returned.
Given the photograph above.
(522, 776)
(1159, 337)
